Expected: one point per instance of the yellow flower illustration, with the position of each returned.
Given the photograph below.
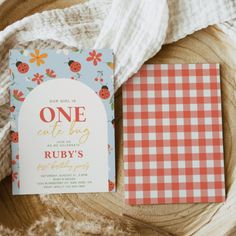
(37, 57)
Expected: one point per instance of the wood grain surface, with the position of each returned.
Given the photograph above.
(208, 45)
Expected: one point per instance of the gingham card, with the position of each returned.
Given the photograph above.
(172, 125)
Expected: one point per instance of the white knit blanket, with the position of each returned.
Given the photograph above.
(135, 30)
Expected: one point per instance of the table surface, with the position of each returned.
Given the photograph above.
(210, 45)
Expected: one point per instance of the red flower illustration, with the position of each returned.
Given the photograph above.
(14, 176)
(13, 162)
(95, 57)
(18, 95)
(50, 73)
(38, 78)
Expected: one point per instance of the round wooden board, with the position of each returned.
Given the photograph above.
(208, 45)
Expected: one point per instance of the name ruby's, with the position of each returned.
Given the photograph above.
(63, 154)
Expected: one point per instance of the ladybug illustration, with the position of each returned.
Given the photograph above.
(12, 108)
(111, 185)
(22, 67)
(14, 137)
(74, 66)
(104, 92)
(113, 122)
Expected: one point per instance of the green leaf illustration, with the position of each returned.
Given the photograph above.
(30, 89)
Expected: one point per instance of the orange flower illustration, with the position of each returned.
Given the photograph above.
(37, 57)
(95, 57)
(111, 65)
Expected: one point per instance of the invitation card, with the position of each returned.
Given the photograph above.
(62, 115)
(173, 139)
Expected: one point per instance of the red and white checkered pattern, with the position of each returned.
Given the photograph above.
(173, 145)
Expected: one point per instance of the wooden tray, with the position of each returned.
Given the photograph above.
(208, 45)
